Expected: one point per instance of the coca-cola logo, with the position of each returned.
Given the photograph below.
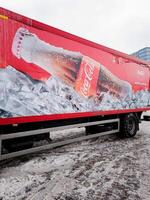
(86, 83)
(88, 71)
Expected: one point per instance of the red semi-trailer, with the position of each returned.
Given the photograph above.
(51, 79)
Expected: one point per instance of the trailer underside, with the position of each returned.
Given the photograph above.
(19, 139)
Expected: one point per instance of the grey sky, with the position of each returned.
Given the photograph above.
(123, 25)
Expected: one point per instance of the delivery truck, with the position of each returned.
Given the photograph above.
(51, 80)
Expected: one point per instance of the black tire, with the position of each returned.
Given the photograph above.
(129, 125)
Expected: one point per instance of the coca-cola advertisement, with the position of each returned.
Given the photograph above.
(42, 73)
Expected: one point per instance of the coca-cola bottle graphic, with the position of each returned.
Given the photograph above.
(88, 77)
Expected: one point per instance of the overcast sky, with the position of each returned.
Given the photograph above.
(123, 25)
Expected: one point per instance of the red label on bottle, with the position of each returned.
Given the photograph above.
(86, 83)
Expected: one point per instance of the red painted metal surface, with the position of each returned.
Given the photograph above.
(73, 43)
(42, 26)
(17, 120)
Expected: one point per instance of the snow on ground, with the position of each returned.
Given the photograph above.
(106, 168)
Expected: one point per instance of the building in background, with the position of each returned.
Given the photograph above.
(143, 54)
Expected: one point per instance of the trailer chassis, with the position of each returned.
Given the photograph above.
(126, 124)
(36, 132)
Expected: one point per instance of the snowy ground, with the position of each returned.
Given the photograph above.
(105, 168)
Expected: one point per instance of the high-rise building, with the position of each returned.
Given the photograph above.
(143, 54)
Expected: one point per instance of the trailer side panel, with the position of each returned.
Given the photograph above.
(45, 76)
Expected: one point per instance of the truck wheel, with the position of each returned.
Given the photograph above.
(129, 125)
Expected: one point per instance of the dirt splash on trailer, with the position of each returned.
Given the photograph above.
(106, 168)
